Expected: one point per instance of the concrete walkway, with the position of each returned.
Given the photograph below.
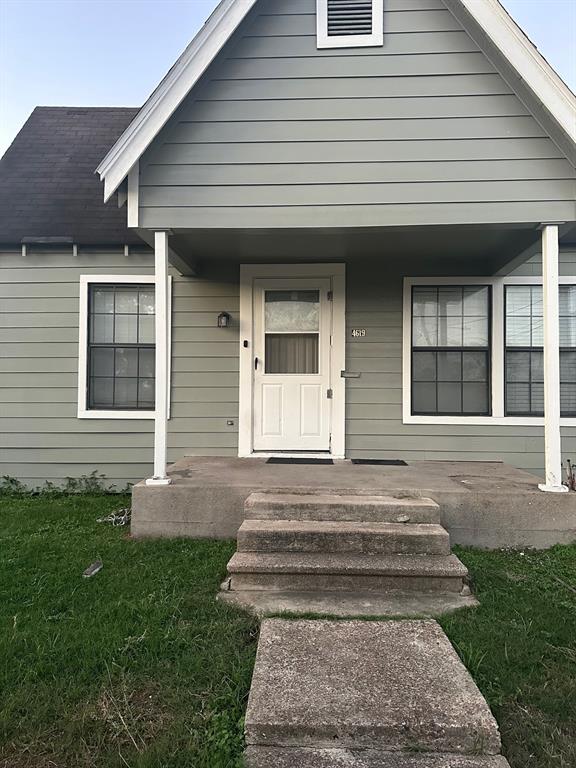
(365, 694)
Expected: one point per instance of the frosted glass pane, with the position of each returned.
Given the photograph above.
(474, 366)
(146, 393)
(126, 300)
(102, 329)
(126, 393)
(518, 366)
(146, 329)
(475, 398)
(102, 361)
(449, 366)
(476, 301)
(146, 367)
(424, 398)
(102, 300)
(126, 363)
(518, 301)
(424, 366)
(450, 301)
(449, 397)
(102, 391)
(126, 330)
(475, 332)
(449, 331)
(425, 331)
(518, 332)
(292, 353)
(568, 331)
(146, 302)
(424, 302)
(290, 311)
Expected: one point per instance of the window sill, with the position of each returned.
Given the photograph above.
(470, 421)
(85, 414)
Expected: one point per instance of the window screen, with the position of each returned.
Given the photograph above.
(292, 330)
(451, 350)
(524, 350)
(121, 347)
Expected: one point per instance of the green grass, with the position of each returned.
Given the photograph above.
(137, 666)
(140, 667)
(520, 646)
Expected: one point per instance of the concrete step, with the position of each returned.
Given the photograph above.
(393, 686)
(349, 604)
(303, 571)
(334, 506)
(342, 536)
(302, 757)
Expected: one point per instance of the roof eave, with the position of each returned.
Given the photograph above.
(169, 94)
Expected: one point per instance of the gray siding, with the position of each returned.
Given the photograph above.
(40, 436)
(421, 131)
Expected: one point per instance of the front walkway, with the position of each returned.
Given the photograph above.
(485, 504)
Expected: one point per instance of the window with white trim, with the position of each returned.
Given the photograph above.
(350, 23)
(451, 350)
(524, 355)
(121, 353)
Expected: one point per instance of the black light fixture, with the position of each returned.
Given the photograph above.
(224, 320)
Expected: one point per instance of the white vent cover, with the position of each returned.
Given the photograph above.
(350, 23)
(349, 17)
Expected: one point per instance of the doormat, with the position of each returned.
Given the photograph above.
(300, 460)
(385, 462)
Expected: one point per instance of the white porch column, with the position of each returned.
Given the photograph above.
(162, 351)
(552, 442)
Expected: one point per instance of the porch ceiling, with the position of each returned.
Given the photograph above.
(473, 250)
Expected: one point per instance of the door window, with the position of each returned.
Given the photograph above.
(292, 330)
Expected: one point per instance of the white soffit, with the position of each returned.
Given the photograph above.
(489, 15)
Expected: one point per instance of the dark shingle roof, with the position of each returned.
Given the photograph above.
(48, 187)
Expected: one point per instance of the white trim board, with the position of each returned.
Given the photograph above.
(251, 272)
(488, 15)
(497, 353)
(83, 411)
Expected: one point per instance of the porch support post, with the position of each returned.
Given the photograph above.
(162, 335)
(552, 442)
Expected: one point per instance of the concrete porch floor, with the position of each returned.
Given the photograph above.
(483, 504)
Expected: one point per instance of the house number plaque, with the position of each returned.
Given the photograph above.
(358, 333)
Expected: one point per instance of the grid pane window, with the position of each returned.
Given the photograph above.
(121, 347)
(450, 350)
(525, 356)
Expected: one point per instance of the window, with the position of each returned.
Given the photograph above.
(524, 357)
(350, 23)
(292, 328)
(450, 350)
(120, 347)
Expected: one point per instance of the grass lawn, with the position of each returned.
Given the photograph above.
(139, 666)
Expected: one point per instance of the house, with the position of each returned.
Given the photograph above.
(357, 229)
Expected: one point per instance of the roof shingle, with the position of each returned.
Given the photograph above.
(48, 188)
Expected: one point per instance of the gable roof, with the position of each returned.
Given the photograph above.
(488, 16)
(47, 183)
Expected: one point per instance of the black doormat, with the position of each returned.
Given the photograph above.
(300, 460)
(386, 462)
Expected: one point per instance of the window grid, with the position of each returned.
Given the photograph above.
(533, 382)
(147, 403)
(461, 350)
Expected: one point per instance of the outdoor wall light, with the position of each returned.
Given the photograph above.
(224, 320)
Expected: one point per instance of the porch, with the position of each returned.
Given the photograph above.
(483, 504)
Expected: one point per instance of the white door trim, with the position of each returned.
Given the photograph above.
(250, 272)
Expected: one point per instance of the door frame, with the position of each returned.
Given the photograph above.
(337, 275)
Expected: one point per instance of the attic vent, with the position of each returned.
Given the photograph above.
(350, 23)
(349, 17)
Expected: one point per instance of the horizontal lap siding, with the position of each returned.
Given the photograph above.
(421, 131)
(41, 437)
(374, 427)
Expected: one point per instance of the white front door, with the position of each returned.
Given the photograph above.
(292, 348)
